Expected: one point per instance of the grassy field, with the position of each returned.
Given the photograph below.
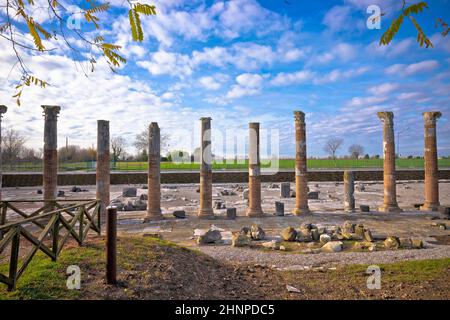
(230, 165)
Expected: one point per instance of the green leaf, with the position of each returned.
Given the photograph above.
(135, 23)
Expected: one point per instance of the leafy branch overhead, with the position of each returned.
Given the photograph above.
(18, 15)
(390, 33)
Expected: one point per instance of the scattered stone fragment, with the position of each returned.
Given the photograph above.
(61, 193)
(129, 192)
(332, 246)
(311, 250)
(210, 236)
(304, 235)
(324, 238)
(313, 195)
(417, 205)
(179, 214)
(240, 240)
(145, 187)
(359, 231)
(231, 213)
(285, 190)
(445, 211)
(360, 187)
(245, 194)
(75, 189)
(440, 225)
(139, 204)
(39, 191)
(362, 245)
(279, 208)
(273, 186)
(417, 243)
(315, 234)
(293, 194)
(405, 243)
(368, 235)
(226, 192)
(392, 242)
(274, 245)
(282, 248)
(292, 289)
(348, 227)
(257, 233)
(218, 205)
(364, 208)
(143, 196)
(308, 226)
(289, 234)
(246, 232)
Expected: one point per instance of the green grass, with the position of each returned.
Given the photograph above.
(232, 165)
(45, 279)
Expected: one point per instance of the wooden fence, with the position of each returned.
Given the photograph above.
(45, 231)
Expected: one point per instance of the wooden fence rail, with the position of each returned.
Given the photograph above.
(55, 227)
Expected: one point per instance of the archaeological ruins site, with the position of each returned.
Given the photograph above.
(297, 220)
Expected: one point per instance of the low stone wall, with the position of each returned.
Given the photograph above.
(35, 179)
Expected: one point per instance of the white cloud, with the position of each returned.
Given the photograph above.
(163, 62)
(246, 84)
(283, 78)
(383, 89)
(213, 82)
(407, 70)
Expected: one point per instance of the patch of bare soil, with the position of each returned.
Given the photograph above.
(153, 269)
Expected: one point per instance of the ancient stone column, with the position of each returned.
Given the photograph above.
(154, 174)
(254, 173)
(50, 162)
(103, 177)
(3, 110)
(349, 190)
(390, 195)
(206, 210)
(301, 180)
(431, 162)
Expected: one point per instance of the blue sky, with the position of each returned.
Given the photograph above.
(246, 61)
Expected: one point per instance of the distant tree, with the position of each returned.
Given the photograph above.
(332, 145)
(179, 156)
(377, 156)
(118, 146)
(366, 156)
(141, 142)
(13, 144)
(356, 150)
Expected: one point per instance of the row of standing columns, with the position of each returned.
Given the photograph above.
(50, 166)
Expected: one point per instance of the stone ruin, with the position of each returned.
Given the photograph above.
(151, 202)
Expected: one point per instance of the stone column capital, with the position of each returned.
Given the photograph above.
(386, 117)
(51, 112)
(205, 119)
(3, 109)
(299, 116)
(430, 117)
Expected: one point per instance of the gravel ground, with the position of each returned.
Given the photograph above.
(300, 261)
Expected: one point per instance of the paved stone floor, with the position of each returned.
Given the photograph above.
(327, 210)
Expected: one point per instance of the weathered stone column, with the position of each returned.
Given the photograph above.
(50, 165)
(349, 190)
(206, 210)
(254, 172)
(301, 180)
(103, 154)
(3, 110)
(431, 162)
(154, 174)
(390, 194)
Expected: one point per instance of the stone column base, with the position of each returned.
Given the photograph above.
(153, 216)
(430, 207)
(389, 208)
(206, 214)
(254, 213)
(301, 211)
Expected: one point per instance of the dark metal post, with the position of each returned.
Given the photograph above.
(111, 245)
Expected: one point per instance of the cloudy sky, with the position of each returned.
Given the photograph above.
(243, 61)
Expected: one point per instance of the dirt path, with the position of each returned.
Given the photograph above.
(299, 261)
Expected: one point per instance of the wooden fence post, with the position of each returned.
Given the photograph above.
(13, 262)
(111, 245)
(3, 217)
